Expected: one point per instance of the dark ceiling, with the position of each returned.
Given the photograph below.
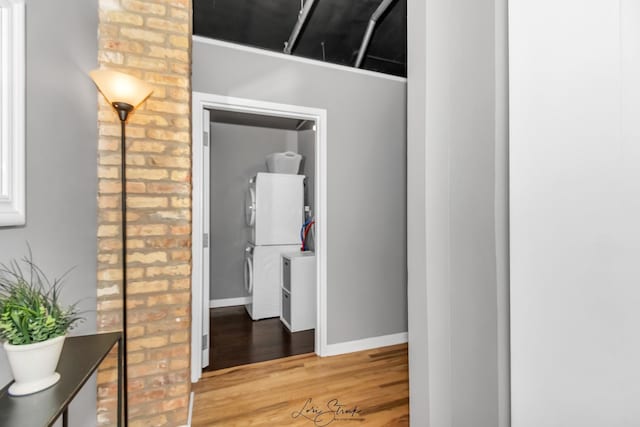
(336, 25)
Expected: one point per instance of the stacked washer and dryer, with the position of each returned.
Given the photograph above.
(275, 213)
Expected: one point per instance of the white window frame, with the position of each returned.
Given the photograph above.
(12, 113)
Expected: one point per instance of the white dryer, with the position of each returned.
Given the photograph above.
(274, 208)
(262, 276)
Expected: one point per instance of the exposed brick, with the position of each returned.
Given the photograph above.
(169, 299)
(146, 7)
(147, 202)
(181, 42)
(168, 53)
(108, 144)
(145, 63)
(108, 230)
(110, 274)
(107, 376)
(170, 161)
(143, 35)
(107, 305)
(147, 258)
(146, 287)
(181, 150)
(155, 421)
(147, 342)
(168, 188)
(120, 17)
(114, 58)
(169, 270)
(135, 160)
(170, 80)
(124, 46)
(171, 25)
(184, 4)
(179, 68)
(147, 147)
(179, 337)
(181, 255)
(180, 176)
(108, 259)
(181, 284)
(169, 325)
(184, 214)
(134, 332)
(147, 230)
(181, 123)
(180, 202)
(146, 369)
(146, 316)
(146, 396)
(167, 135)
(181, 229)
(150, 174)
(151, 40)
(108, 172)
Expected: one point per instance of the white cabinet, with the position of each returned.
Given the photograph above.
(299, 291)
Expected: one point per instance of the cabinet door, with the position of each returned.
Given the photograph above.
(286, 308)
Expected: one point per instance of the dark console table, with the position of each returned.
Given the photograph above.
(80, 358)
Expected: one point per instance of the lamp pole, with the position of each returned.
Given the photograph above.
(123, 110)
(124, 93)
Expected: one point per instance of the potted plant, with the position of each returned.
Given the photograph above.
(33, 324)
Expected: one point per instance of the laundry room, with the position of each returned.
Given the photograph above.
(262, 272)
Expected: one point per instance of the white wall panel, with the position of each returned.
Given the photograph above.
(575, 205)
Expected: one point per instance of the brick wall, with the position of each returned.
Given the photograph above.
(150, 39)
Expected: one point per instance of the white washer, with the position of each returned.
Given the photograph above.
(262, 277)
(274, 208)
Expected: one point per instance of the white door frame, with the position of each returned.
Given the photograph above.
(205, 101)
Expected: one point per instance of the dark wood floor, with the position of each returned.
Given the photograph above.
(237, 340)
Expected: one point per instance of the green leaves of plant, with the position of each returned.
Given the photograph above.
(29, 308)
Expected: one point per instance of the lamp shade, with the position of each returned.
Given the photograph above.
(119, 87)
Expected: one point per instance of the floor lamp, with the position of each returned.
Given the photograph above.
(125, 93)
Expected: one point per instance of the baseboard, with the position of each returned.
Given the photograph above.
(190, 413)
(229, 302)
(365, 344)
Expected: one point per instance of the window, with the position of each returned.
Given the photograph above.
(12, 112)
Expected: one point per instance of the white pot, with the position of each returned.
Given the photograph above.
(34, 365)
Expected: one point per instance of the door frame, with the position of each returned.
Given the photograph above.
(200, 165)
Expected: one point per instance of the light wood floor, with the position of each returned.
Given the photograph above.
(366, 388)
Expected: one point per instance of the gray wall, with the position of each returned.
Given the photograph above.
(306, 147)
(366, 176)
(457, 240)
(61, 162)
(237, 153)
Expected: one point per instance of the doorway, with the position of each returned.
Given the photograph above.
(210, 108)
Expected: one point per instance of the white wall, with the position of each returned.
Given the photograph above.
(457, 209)
(575, 212)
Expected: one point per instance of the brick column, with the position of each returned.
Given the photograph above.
(150, 39)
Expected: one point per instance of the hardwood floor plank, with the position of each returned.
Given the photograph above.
(293, 391)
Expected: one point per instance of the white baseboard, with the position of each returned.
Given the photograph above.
(190, 414)
(229, 302)
(365, 344)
